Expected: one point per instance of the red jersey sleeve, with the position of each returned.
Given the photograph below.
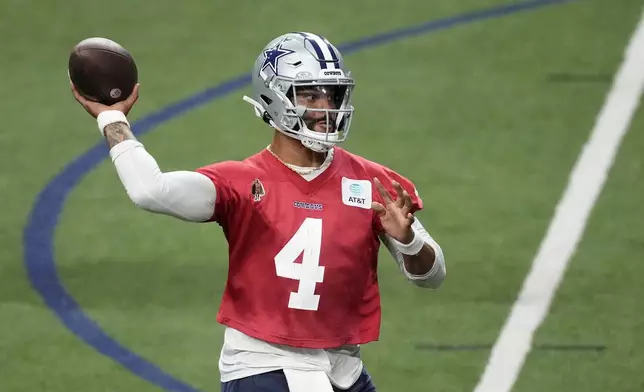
(221, 174)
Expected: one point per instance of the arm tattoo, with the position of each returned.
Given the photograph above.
(117, 132)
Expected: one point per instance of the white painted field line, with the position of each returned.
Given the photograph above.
(567, 226)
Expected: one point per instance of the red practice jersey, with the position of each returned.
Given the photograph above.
(302, 254)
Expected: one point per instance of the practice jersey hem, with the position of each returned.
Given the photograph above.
(365, 337)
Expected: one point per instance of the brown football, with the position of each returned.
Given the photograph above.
(102, 70)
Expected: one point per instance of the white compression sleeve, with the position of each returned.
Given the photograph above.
(185, 195)
(435, 276)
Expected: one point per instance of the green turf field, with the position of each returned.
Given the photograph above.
(486, 117)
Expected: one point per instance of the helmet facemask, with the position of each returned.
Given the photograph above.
(318, 126)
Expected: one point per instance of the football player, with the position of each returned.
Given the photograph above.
(303, 218)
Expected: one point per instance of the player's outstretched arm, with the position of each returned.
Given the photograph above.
(185, 195)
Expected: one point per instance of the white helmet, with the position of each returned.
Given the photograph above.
(289, 64)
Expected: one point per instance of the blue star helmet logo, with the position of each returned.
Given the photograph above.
(272, 56)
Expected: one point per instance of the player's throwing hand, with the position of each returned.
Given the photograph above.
(395, 215)
(96, 108)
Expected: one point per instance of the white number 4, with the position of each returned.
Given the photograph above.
(307, 240)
